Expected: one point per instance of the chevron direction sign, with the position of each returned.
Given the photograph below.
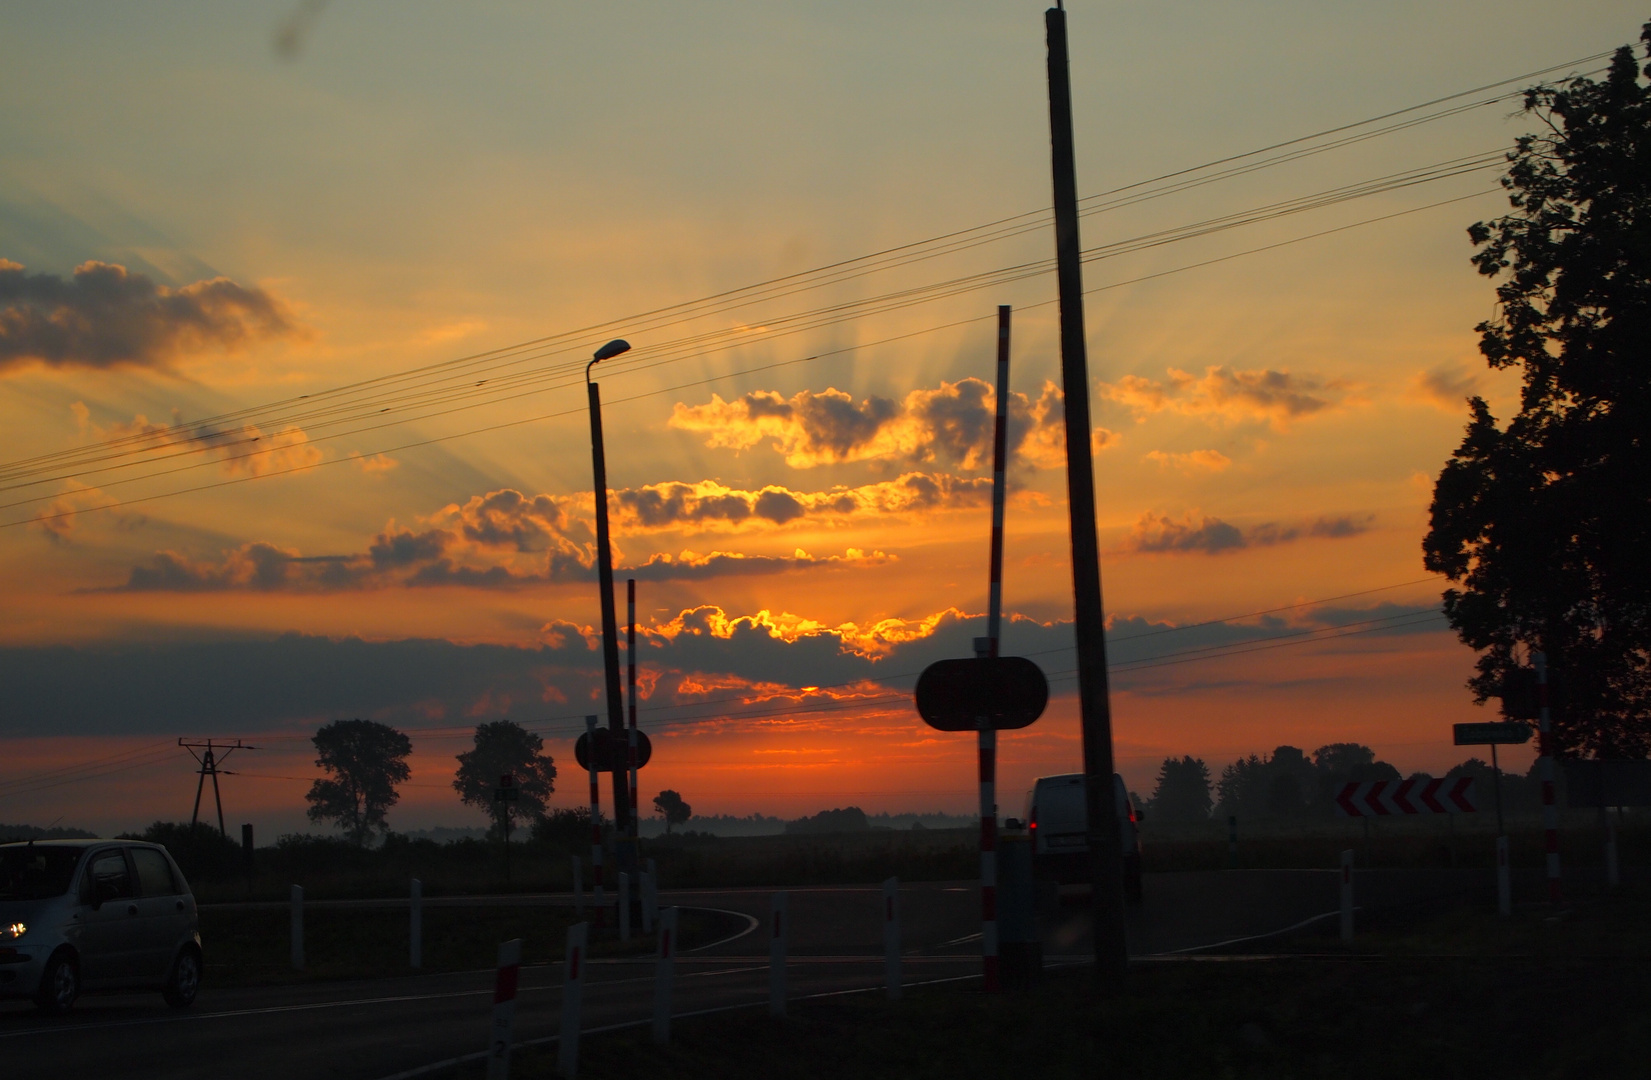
(1395, 798)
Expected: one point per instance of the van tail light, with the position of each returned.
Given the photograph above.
(1131, 806)
(1032, 821)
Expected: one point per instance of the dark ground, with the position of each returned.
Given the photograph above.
(1458, 992)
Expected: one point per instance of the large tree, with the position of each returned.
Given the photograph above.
(501, 747)
(1543, 524)
(365, 761)
(1183, 791)
(669, 805)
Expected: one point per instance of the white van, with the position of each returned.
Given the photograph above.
(1057, 817)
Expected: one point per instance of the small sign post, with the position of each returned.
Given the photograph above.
(298, 928)
(504, 1009)
(1493, 735)
(777, 931)
(505, 794)
(1347, 895)
(891, 937)
(415, 925)
(573, 984)
(664, 975)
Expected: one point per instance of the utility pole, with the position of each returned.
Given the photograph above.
(211, 755)
(630, 663)
(1111, 946)
(604, 579)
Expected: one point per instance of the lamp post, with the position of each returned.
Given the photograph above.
(604, 579)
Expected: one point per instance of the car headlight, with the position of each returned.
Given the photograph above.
(13, 932)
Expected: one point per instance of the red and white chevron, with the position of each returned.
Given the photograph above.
(1395, 798)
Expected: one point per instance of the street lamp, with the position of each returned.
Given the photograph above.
(604, 579)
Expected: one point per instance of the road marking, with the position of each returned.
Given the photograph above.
(750, 920)
(274, 1010)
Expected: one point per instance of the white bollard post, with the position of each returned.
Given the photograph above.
(1613, 875)
(415, 925)
(578, 887)
(504, 1009)
(298, 928)
(1347, 895)
(891, 936)
(778, 930)
(624, 907)
(573, 984)
(1504, 886)
(664, 975)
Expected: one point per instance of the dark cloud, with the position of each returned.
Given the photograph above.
(1160, 534)
(105, 316)
(298, 682)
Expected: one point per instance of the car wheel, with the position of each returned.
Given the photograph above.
(184, 980)
(59, 984)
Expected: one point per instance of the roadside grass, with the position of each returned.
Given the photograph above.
(252, 946)
(1461, 993)
(332, 870)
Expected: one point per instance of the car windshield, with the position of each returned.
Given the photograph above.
(36, 871)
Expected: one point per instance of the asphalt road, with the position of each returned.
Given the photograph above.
(362, 1030)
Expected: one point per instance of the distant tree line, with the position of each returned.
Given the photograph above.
(1289, 784)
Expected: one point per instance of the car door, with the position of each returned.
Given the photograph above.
(109, 919)
(162, 917)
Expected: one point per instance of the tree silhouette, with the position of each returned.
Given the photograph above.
(1543, 525)
(669, 805)
(365, 760)
(1183, 791)
(504, 746)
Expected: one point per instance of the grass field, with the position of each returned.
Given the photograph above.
(1457, 993)
(251, 946)
(336, 871)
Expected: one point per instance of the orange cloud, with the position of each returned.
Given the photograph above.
(1274, 397)
(1447, 386)
(240, 451)
(952, 425)
(1193, 462)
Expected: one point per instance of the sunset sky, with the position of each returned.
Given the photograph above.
(295, 297)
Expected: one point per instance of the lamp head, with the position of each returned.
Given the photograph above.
(611, 349)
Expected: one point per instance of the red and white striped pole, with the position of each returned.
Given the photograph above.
(994, 620)
(595, 817)
(573, 992)
(630, 658)
(1545, 773)
(504, 1009)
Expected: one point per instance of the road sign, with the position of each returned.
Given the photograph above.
(613, 753)
(1494, 734)
(1395, 798)
(507, 791)
(1009, 691)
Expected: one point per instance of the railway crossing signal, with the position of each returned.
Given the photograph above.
(1007, 691)
(613, 751)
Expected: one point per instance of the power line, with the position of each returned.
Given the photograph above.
(206, 433)
(433, 440)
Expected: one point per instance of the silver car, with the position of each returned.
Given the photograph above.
(95, 915)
